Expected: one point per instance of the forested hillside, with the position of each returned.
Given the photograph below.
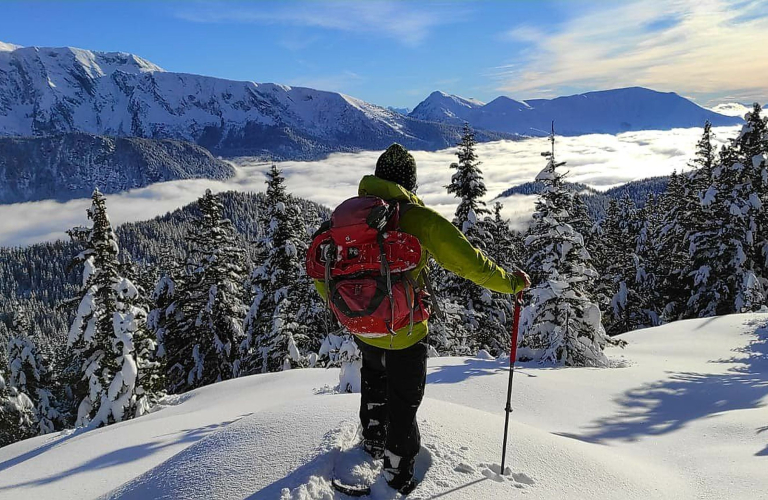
(67, 166)
(218, 290)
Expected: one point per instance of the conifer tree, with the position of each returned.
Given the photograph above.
(467, 184)
(482, 315)
(17, 417)
(161, 315)
(200, 344)
(623, 279)
(751, 150)
(277, 337)
(504, 247)
(684, 218)
(106, 328)
(723, 251)
(341, 351)
(449, 335)
(29, 374)
(582, 222)
(561, 323)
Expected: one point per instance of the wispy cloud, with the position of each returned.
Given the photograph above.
(702, 48)
(405, 22)
(598, 160)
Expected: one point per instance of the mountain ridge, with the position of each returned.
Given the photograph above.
(603, 111)
(58, 90)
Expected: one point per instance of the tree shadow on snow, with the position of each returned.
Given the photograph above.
(452, 374)
(113, 458)
(669, 405)
(56, 440)
(472, 367)
(764, 452)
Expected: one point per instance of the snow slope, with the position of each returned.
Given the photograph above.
(681, 416)
(603, 112)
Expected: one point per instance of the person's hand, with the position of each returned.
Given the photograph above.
(522, 276)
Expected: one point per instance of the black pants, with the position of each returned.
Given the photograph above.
(392, 390)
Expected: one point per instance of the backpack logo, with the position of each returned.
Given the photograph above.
(366, 263)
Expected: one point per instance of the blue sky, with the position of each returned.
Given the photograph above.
(397, 52)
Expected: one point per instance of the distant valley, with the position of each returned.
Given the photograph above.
(68, 166)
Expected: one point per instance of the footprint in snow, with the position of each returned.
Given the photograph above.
(517, 479)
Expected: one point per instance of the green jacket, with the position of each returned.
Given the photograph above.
(445, 243)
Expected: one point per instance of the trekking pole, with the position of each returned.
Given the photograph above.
(512, 358)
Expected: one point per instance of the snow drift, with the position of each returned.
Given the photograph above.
(681, 415)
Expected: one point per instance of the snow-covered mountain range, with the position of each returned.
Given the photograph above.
(68, 166)
(56, 90)
(609, 111)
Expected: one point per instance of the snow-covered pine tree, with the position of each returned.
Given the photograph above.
(166, 316)
(201, 342)
(277, 337)
(561, 324)
(448, 336)
(341, 351)
(696, 222)
(481, 314)
(467, 184)
(684, 221)
(725, 280)
(29, 374)
(647, 279)
(582, 222)
(160, 316)
(106, 327)
(751, 150)
(17, 414)
(504, 246)
(621, 272)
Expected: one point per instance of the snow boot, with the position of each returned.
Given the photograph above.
(398, 472)
(374, 448)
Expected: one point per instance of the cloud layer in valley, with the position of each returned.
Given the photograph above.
(599, 160)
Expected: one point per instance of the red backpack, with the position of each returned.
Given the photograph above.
(364, 261)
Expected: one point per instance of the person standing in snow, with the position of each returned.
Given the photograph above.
(394, 367)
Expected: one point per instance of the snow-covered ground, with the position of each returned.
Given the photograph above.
(599, 160)
(682, 415)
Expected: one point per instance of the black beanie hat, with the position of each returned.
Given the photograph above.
(397, 165)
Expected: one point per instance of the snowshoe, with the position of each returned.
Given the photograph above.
(356, 490)
(355, 470)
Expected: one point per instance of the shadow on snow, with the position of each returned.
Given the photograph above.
(669, 405)
(112, 459)
(307, 477)
(472, 367)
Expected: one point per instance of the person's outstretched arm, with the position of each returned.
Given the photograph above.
(451, 249)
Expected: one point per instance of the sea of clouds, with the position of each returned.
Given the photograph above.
(599, 160)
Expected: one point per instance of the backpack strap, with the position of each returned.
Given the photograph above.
(432, 297)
